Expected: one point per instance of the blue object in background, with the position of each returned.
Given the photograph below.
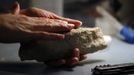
(128, 34)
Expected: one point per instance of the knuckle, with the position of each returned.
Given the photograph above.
(76, 50)
(75, 59)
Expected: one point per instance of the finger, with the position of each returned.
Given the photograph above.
(16, 8)
(76, 53)
(50, 36)
(48, 28)
(75, 57)
(46, 35)
(51, 25)
(82, 57)
(77, 23)
(71, 26)
(73, 61)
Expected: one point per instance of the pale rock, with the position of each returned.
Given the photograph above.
(88, 40)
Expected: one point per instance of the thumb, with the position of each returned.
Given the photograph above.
(16, 8)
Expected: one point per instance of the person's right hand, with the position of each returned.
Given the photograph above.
(74, 60)
(21, 28)
(37, 12)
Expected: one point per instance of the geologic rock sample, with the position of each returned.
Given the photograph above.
(88, 40)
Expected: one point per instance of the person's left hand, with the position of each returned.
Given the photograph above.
(36, 12)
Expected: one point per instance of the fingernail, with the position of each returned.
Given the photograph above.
(76, 53)
(80, 23)
(76, 49)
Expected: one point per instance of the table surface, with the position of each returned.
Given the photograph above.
(118, 52)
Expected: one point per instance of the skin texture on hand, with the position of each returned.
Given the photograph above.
(36, 12)
(20, 27)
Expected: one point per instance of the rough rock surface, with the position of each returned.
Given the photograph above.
(88, 40)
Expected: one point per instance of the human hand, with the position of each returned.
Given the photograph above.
(73, 60)
(36, 12)
(20, 27)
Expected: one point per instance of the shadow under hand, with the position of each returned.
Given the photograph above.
(70, 68)
(22, 67)
(39, 68)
